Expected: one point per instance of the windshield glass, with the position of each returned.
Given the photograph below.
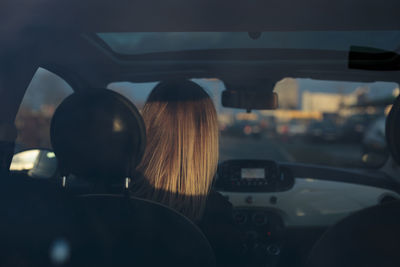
(153, 42)
(340, 124)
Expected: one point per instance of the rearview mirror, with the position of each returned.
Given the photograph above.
(36, 163)
(249, 99)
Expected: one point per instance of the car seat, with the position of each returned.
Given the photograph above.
(98, 136)
(370, 237)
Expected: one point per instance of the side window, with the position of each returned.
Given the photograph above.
(43, 95)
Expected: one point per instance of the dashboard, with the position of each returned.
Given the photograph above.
(302, 195)
(253, 176)
(282, 209)
(279, 206)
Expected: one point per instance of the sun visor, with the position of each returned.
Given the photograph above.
(367, 58)
(393, 130)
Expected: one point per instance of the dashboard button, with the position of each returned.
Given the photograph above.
(259, 218)
(240, 218)
(273, 250)
(249, 200)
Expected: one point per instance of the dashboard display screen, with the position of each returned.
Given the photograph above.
(253, 173)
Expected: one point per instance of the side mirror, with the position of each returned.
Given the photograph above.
(375, 159)
(36, 163)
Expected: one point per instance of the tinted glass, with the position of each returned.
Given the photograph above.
(43, 95)
(152, 42)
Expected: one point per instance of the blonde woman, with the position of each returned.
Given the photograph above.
(181, 158)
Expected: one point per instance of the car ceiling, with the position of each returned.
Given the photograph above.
(206, 15)
(59, 35)
(88, 58)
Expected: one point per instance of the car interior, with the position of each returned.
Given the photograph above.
(312, 173)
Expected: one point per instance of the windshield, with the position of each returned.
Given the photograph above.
(330, 123)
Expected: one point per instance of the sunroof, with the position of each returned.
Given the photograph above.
(135, 43)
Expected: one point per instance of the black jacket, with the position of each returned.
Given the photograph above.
(218, 226)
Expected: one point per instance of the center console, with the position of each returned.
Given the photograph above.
(263, 228)
(253, 176)
(263, 235)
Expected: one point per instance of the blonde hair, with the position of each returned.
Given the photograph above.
(181, 154)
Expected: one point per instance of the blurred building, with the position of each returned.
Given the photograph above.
(284, 115)
(327, 102)
(288, 93)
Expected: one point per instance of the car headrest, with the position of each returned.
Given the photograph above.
(98, 135)
(393, 130)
